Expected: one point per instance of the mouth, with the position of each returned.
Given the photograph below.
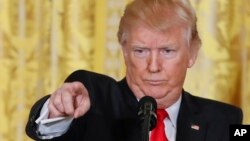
(155, 82)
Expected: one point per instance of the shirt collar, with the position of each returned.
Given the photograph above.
(173, 111)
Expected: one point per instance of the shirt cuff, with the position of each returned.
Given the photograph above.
(53, 127)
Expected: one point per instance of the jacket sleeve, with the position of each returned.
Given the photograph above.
(31, 126)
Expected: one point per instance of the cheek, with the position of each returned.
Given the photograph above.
(182, 60)
(175, 75)
(176, 69)
(135, 63)
(136, 66)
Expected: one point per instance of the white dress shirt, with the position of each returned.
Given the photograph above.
(50, 128)
(53, 127)
(171, 122)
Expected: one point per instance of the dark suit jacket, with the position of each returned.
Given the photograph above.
(113, 114)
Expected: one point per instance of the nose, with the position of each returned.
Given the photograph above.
(154, 64)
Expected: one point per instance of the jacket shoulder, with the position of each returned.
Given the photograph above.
(215, 110)
(88, 76)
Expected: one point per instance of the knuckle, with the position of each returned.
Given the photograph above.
(66, 86)
(67, 101)
(57, 102)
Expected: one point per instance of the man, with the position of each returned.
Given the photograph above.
(159, 42)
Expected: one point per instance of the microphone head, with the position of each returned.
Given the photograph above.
(147, 107)
(147, 100)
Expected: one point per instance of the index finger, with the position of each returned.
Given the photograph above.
(78, 88)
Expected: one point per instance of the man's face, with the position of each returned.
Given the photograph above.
(157, 63)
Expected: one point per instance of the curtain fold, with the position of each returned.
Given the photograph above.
(222, 69)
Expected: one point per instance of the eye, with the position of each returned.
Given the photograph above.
(140, 52)
(168, 52)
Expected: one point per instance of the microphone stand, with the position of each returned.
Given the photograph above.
(147, 108)
(146, 125)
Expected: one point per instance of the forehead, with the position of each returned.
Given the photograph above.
(145, 35)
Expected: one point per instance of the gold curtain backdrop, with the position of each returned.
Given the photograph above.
(42, 41)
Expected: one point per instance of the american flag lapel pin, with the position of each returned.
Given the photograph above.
(195, 127)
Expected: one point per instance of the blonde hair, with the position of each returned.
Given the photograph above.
(160, 15)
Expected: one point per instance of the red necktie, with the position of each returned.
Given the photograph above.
(158, 133)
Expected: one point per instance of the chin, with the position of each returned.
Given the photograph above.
(157, 95)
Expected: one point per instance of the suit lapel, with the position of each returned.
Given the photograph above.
(190, 126)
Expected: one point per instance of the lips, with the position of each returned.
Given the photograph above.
(155, 82)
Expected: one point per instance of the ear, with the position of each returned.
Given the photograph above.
(192, 59)
(193, 53)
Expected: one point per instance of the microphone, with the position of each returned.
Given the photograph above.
(147, 115)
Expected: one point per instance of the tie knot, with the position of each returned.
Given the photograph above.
(161, 114)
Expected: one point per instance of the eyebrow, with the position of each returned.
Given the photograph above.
(161, 46)
(169, 45)
(139, 46)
